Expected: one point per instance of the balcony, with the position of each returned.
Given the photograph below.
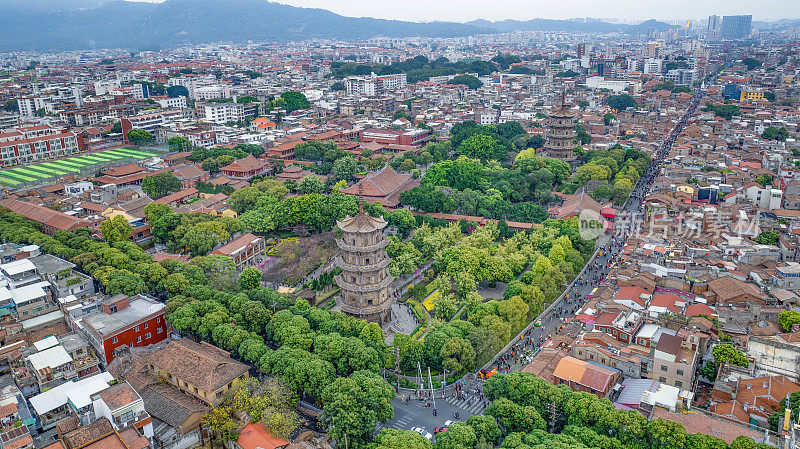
(127, 420)
(361, 249)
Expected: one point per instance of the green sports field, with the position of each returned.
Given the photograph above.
(14, 176)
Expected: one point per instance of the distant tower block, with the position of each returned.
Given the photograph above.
(561, 135)
(364, 280)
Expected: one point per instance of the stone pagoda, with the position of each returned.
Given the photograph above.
(364, 280)
(561, 135)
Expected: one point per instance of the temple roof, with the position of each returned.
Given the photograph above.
(361, 222)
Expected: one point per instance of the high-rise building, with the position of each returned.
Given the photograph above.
(652, 49)
(582, 50)
(561, 135)
(736, 27)
(714, 27)
(364, 279)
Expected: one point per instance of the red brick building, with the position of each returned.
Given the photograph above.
(124, 321)
(399, 136)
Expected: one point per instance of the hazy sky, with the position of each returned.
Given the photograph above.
(464, 10)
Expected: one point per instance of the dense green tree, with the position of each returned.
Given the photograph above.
(751, 63)
(773, 133)
(345, 168)
(250, 278)
(482, 147)
(11, 105)
(116, 229)
(788, 318)
(727, 353)
(621, 102)
(389, 438)
(211, 165)
(295, 100)
(139, 136)
(467, 80)
(161, 185)
(355, 405)
(311, 184)
(177, 91)
(709, 370)
(768, 238)
(457, 436)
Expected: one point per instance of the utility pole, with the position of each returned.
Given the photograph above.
(444, 382)
(397, 367)
(430, 382)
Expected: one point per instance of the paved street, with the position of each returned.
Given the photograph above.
(419, 412)
(415, 413)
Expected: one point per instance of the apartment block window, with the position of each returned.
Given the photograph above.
(145, 325)
(160, 330)
(680, 372)
(114, 340)
(663, 367)
(138, 339)
(136, 328)
(147, 335)
(663, 380)
(679, 384)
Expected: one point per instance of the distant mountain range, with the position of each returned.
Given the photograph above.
(594, 26)
(55, 25)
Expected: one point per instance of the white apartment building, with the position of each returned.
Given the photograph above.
(25, 144)
(29, 105)
(652, 65)
(767, 198)
(214, 92)
(374, 85)
(222, 113)
(104, 86)
(177, 102)
(487, 117)
(681, 77)
(152, 120)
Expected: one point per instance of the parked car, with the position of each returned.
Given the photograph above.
(439, 429)
(423, 432)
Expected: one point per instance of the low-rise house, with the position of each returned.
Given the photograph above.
(123, 407)
(70, 398)
(245, 250)
(672, 363)
(63, 276)
(622, 325)
(752, 400)
(200, 370)
(590, 377)
(84, 359)
(256, 436)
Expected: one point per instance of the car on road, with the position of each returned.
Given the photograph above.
(449, 422)
(422, 432)
(538, 323)
(439, 429)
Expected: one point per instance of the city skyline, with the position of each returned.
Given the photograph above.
(468, 10)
